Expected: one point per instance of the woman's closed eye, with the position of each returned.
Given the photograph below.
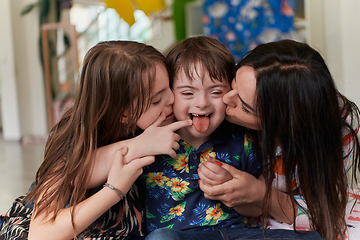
(244, 109)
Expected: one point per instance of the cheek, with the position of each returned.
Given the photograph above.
(179, 110)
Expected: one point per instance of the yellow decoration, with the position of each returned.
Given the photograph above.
(150, 5)
(126, 8)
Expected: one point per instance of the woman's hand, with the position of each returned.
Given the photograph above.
(245, 194)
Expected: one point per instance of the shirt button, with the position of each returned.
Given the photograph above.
(194, 157)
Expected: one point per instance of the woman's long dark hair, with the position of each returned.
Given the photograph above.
(117, 76)
(299, 108)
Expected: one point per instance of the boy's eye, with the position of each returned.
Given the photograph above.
(187, 93)
(217, 92)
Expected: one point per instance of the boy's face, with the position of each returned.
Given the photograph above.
(201, 101)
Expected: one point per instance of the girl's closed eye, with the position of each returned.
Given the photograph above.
(157, 101)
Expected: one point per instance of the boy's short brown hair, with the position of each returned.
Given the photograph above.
(213, 56)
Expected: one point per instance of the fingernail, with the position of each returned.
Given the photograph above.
(218, 163)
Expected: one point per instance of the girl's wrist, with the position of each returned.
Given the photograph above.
(120, 193)
(112, 195)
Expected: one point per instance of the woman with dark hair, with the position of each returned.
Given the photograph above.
(307, 134)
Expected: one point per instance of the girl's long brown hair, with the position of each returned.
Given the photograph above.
(111, 81)
(299, 109)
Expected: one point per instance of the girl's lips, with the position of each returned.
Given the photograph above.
(170, 116)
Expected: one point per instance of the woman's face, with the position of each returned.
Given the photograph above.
(240, 100)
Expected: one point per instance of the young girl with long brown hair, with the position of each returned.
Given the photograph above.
(123, 86)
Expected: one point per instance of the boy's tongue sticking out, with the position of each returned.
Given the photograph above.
(201, 122)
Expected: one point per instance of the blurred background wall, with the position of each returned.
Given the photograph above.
(331, 26)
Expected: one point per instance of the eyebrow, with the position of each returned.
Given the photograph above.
(192, 87)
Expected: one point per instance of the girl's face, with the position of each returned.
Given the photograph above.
(240, 100)
(162, 99)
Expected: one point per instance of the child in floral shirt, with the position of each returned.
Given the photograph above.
(201, 70)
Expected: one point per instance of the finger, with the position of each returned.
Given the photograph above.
(205, 171)
(212, 174)
(147, 160)
(159, 120)
(211, 192)
(175, 146)
(119, 157)
(204, 177)
(173, 155)
(124, 150)
(139, 163)
(180, 124)
(211, 159)
(214, 167)
(177, 137)
(232, 170)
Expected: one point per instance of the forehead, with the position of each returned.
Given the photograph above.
(196, 75)
(245, 85)
(245, 79)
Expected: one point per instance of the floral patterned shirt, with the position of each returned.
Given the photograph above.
(173, 196)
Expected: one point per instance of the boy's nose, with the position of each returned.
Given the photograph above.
(202, 101)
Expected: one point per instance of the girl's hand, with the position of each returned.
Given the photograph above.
(156, 139)
(153, 141)
(122, 176)
(212, 173)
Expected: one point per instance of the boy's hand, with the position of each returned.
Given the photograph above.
(157, 140)
(212, 173)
